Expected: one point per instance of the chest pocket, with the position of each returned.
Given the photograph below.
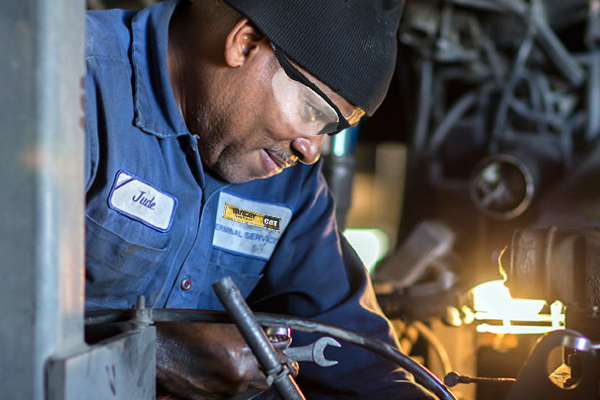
(117, 270)
(246, 233)
(246, 273)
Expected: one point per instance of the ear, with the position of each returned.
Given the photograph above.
(241, 42)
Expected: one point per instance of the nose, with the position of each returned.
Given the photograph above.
(307, 148)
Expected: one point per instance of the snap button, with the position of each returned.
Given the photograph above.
(186, 284)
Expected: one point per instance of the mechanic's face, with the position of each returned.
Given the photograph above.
(253, 139)
(243, 134)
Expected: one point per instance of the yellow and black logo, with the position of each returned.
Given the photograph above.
(252, 218)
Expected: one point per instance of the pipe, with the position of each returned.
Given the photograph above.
(277, 373)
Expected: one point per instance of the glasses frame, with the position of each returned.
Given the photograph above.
(293, 73)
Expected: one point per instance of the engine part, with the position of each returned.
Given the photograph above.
(553, 264)
(496, 81)
(418, 280)
(503, 186)
(428, 241)
(533, 381)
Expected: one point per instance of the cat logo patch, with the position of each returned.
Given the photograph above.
(252, 218)
(249, 227)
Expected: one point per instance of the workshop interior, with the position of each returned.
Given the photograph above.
(472, 196)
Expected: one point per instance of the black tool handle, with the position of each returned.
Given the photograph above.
(277, 373)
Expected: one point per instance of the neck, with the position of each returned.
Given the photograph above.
(174, 61)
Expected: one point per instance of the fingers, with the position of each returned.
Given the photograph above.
(206, 358)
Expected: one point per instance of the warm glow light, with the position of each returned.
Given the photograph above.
(469, 315)
(492, 301)
(515, 317)
(514, 329)
(493, 298)
(371, 245)
(557, 315)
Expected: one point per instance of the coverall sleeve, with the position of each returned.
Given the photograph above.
(315, 273)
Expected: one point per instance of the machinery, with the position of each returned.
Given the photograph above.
(502, 169)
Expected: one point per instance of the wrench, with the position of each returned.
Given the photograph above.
(313, 352)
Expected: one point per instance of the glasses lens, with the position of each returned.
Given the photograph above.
(305, 110)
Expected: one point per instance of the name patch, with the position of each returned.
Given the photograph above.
(249, 227)
(141, 201)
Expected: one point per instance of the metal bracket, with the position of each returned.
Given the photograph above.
(119, 368)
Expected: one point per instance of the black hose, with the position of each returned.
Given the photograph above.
(421, 374)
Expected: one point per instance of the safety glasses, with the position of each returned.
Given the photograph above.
(306, 108)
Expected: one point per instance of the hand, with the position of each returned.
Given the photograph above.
(201, 361)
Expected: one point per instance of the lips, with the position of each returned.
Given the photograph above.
(268, 164)
(277, 160)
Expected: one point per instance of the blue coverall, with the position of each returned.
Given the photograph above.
(160, 225)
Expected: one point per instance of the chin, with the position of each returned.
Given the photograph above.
(242, 173)
(238, 175)
(252, 178)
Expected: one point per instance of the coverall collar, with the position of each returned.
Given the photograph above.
(156, 111)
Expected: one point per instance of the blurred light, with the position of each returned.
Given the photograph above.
(453, 317)
(339, 143)
(468, 315)
(557, 314)
(371, 245)
(492, 301)
(514, 329)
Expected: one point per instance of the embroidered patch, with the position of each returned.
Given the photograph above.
(139, 200)
(249, 227)
(252, 218)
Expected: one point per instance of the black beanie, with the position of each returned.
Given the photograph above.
(350, 45)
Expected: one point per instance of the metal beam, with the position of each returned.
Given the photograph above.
(41, 189)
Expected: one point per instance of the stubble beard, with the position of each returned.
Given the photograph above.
(217, 156)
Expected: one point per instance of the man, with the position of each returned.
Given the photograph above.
(189, 107)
